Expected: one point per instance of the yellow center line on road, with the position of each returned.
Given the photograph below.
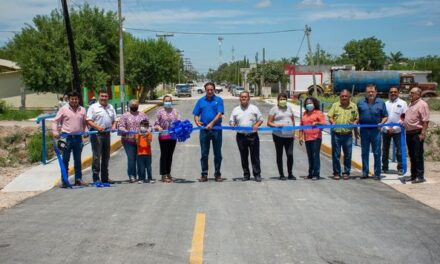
(196, 256)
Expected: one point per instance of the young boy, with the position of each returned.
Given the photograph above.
(143, 141)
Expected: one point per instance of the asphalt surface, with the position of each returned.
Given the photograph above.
(302, 221)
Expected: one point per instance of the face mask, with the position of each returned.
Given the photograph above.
(167, 104)
(134, 108)
(282, 103)
(310, 107)
(143, 130)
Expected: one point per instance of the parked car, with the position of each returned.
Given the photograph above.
(200, 89)
(237, 90)
(218, 88)
(183, 90)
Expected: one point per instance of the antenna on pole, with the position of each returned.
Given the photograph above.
(121, 54)
(220, 52)
(307, 31)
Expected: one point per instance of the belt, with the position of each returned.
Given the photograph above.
(343, 134)
(247, 134)
(413, 132)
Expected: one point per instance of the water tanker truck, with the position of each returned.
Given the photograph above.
(337, 78)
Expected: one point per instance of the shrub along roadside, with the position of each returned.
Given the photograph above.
(6, 113)
(34, 147)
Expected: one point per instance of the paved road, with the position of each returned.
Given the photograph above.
(356, 221)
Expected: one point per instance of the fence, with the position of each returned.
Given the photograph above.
(120, 109)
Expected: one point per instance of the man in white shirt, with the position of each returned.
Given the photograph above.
(101, 116)
(248, 115)
(395, 108)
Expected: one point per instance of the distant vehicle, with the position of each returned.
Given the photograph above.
(219, 88)
(237, 90)
(183, 90)
(200, 89)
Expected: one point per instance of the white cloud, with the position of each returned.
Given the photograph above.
(264, 4)
(356, 14)
(179, 16)
(311, 3)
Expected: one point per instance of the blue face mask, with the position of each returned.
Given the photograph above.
(310, 107)
(167, 104)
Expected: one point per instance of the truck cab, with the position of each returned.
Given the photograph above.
(407, 82)
(183, 90)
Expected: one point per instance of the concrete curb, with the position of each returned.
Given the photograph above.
(87, 162)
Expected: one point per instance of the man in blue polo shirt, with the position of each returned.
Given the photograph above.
(208, 113)
(372, 111)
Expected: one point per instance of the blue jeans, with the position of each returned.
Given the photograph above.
(370, 136)
(75, 146)
(206, 136)
(313, 148)
(345, 142)
(144, 163)
(131, 151)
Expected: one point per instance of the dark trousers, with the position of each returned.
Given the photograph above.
(286, 144)
(386, 142)
(344, 142)
(206, 136)
(167, 147)
(249, 144)
(144, 164)
(75, 146)
(415, 151)
(313, 148)
(370, 136)
(101, 155)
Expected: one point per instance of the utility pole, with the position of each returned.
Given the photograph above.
(121, 54)
(76, 81)
(262, 71)
(307, 31)
(180, 63)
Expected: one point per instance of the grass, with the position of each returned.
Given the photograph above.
(434, 104)
(19, 115)
(34, 148)
(6, 113)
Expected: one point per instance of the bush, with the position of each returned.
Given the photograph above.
(3, 106)
(34, 148)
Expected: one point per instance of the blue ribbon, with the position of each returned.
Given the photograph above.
(181, 130)
(64, 175)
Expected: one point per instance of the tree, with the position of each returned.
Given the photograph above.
(395, 58)
(365, 54)
(150, 62)
(272, 71)
(323, 58)
(42, 53)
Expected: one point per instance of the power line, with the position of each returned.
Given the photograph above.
(300, 46)
(216, 33)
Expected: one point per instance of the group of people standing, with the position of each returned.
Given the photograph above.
(136, 134)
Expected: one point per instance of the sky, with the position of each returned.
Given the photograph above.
(411, 27)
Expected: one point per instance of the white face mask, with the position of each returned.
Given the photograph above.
(143, 130)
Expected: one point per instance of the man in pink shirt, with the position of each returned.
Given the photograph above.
(416, 121)
(71, 118)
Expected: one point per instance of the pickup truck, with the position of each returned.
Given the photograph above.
(183, 90)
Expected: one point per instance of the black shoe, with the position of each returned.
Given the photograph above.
(80, 183)
(364, 177)
(246, 178)
(315, 178)
(418, 181)
(147, 181)
(377, 178)
(282, 178)
(308, 177)
(385, 170)
(291, 177)
(218, 179)
(258, 179)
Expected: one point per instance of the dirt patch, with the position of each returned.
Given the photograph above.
(14, 160)
(432, 142)
(427, 193)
